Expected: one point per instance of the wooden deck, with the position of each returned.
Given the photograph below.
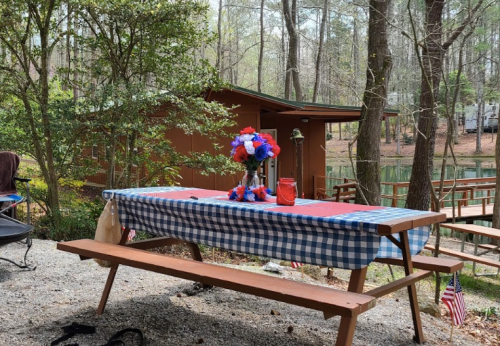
(469, 213)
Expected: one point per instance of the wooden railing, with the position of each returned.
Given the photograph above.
(334, 189)
(467, 191)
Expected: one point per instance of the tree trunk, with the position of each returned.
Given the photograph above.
(480, 104)
(219, 39)
(387, 131)
(284, 61)
(479, 119)
(75, 57)
(398, 135)
(234, 59)
(320, 51)
(293, 46)
(68, 49)
(432, 62)
(131, 144)
(261, 48)
(419, 191)
(53, 179)
(496, 206)
(355, 58)
(374, 101)
(111, 158)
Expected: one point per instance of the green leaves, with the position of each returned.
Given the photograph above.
(93, 72)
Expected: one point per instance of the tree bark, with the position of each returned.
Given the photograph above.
(496, 206)
(480, 103)
(374, 101)
(320, 51)
(432, 61)
(261, 48)
(43, 23)
(398, 135)
(218, 62)
(433, 50)
(479, 117)
(387, 131)
(75, 57)
(293, 46)
(68, 49)
(355, 59)
(111, 158)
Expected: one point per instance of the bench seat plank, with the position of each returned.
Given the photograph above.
(328, 300)
(465, 256)
(474, 229)
(491, 247)
(436, 264)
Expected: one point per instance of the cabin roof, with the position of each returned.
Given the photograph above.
(327, 112)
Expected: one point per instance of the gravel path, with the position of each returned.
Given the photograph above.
(63, 289)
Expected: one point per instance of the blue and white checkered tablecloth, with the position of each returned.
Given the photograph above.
(348, 240)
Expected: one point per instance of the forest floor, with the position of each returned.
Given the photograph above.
(466, 148)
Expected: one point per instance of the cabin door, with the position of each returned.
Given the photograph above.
(271, 166)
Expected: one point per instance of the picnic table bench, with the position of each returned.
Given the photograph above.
(330, 301)
(477, 231)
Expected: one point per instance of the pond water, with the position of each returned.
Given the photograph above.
(399, 170)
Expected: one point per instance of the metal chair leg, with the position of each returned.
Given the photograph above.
(24, 263)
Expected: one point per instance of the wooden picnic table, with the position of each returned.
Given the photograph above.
(329, 234)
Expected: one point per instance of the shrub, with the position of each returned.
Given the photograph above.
(79, 218)
(407, 139)
(80, 213)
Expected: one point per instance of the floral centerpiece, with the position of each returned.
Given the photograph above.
(251, 149)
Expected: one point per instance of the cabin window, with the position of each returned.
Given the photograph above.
(95, 152)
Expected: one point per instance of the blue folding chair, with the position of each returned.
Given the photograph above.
(11, 229)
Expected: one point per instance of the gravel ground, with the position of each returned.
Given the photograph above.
(63, 289)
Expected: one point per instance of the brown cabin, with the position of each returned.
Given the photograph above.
(279, 117)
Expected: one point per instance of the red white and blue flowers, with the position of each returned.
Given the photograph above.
(251, 149)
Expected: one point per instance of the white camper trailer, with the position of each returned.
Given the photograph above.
(492, 124)
(490, 118)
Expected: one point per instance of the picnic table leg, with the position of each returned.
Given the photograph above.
(195, 251)
(348, 324)
(412, 290)
(111, 276)
(196, 254)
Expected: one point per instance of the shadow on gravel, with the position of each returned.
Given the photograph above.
(171, 320)
(5, 274)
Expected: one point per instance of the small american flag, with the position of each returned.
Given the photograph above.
(297, 264)
(131, 234)
(454, 300)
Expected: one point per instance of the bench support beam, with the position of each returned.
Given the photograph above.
(398, 284)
